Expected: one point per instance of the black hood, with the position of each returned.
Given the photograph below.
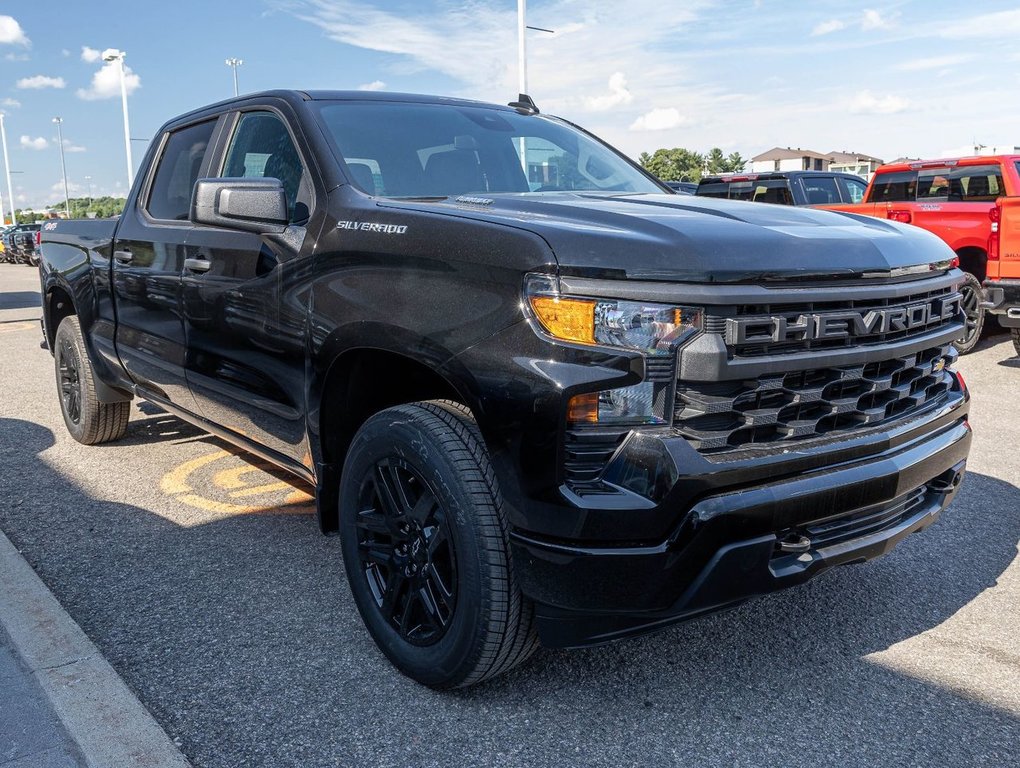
(695, 239)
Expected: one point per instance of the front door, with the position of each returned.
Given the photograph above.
(244, 299)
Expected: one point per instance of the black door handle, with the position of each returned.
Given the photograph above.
(197, 265)
(124, 257)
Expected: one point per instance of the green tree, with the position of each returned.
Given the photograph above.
(677, 164)
(734, 162)
(715, 161)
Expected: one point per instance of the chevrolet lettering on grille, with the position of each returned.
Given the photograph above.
(841, 325)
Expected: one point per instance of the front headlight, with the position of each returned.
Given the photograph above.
(655, 330)
(652, 329)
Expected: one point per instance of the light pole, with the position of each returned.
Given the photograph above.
(58, 121)
(112, 54)
(88, 181)
(7, 170)
(234, 64)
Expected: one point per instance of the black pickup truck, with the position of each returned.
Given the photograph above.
(539, 397)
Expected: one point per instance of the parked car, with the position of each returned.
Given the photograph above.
(21, 243)
(953, 198)
(571, 415)
(785, 187)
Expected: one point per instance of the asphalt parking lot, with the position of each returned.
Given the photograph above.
(201, 576)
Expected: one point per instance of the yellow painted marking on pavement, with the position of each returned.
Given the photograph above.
(231, 478)
(11, 327)
(188, 483)
(176, 480)
(260, 489)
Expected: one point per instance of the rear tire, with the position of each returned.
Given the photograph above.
(1015, 333)
(426, 547)
(88, 420)
(973, 295)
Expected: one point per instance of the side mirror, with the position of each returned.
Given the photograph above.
(252, 205)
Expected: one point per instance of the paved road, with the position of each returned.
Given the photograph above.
(203, 579)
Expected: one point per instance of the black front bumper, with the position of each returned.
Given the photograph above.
(734, 545)
(1002, 298)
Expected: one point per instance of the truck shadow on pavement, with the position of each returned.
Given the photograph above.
(245, 626)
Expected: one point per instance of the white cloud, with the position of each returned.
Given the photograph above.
(16, 57)
(12, 103)
(65, 53)
(874, 20)
(11, 32)
(106, 82)
(41, 81)
(375, 85)
(826, 27)
(660, 119)
(618, 94)
(27, 142)
(70, 146)
(999, 24)
(90, 55)
(866, 103)
(934, 62)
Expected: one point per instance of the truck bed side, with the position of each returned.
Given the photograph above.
(75, 275)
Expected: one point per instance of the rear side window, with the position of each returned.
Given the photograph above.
(178, 170)
(820, 190)
(894, 187)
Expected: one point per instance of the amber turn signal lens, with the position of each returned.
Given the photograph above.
(567, 319)
(583, 409)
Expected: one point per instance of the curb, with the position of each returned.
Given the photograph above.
(100, 713)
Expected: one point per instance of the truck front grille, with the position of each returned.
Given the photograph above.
(774, 408)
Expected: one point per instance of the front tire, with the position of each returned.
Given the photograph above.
(87, 419)
(426, 547)
(973, 295)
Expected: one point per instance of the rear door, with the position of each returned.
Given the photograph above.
(245, 295)
(148, 259)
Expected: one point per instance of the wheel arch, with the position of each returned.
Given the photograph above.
(357, 383)
(974, 260)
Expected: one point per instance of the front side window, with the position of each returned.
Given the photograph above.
(853, 189)
(262, 149)
(429, 150)
(178, 170)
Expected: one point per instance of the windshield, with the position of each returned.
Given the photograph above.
(398, 149)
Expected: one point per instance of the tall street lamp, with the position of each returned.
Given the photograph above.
(7, 170)
(234, 64)
(58, 121)
(112, 54)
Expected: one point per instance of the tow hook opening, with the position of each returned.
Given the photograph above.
(948, 481)
(794, 543)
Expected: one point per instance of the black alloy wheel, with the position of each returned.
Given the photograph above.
(88, 419)
(406, 552)
(426, 547)
(971, 297)
(69, 378)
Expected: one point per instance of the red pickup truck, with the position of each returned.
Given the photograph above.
(955, 199)
(1002, 285)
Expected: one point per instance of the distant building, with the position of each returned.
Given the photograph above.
(854, 162)
(779, 159)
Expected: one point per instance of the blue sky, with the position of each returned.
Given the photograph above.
(900, 78)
